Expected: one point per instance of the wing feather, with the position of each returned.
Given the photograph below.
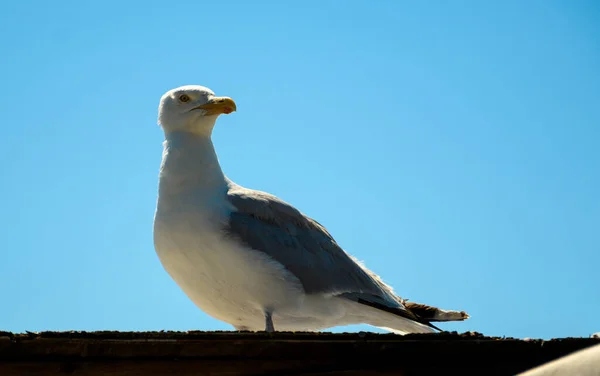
(302, 245)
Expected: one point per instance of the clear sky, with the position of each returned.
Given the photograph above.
(454, 147)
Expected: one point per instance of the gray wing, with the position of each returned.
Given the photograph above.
(270, 225)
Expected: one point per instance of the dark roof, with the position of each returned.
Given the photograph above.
(246, 353)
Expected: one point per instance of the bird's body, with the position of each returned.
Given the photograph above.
(248, 258)
(222, 277)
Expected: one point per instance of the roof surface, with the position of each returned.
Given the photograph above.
(248, 353)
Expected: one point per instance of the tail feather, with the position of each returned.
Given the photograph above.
(405, 317)
(430, 313)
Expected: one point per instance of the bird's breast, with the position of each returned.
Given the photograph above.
(220, 274)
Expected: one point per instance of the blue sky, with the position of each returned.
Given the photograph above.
(451, 146)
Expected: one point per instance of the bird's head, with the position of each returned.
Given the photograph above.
(192, 109)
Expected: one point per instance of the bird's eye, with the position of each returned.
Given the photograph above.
(184, 98)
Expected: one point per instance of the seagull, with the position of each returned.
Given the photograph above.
(250, 259)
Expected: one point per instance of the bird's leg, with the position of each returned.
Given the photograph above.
(269, 323)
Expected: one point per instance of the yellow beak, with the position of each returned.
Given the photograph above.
(218, 106)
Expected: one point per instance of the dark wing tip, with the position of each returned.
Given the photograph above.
(406, 313)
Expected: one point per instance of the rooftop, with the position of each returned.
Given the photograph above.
(247, 353)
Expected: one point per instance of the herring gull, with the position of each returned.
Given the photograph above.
(250, 259)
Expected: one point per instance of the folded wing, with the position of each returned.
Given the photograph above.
(270, 225)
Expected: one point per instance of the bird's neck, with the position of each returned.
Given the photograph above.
(189, 163)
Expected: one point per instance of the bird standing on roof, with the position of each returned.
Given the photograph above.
(248, 258)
